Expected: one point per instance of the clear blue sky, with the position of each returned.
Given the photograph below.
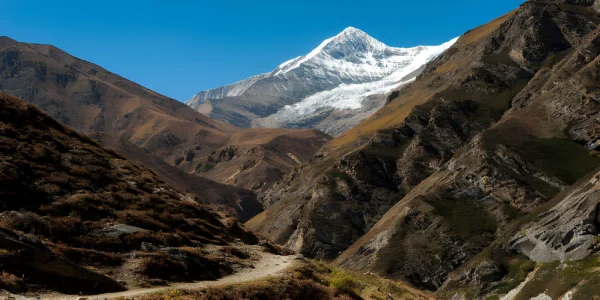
(180, 47)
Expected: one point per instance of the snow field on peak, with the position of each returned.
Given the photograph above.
(351, 96)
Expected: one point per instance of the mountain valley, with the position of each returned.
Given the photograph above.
(468, 170)
(138, 122)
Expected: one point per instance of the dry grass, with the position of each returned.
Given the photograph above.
(313, 280)
(182, 264)
(445, 68)
(257, 220)
(394, 113)
(66, 190)
(11, 283)
(483, 31)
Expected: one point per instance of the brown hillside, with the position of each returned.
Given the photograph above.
(224, 198)
(75, 217)
(257, 157)
(102, 104)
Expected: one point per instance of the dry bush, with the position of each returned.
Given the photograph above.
(235, 252)
(11, 283)
(90, 257)
(183, 264)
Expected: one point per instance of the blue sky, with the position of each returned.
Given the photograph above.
(180, 47)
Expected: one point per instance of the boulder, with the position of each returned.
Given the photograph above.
(121, 229)
(40, 265)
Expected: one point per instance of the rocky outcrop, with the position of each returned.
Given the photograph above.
(568, 231)
(38, 262)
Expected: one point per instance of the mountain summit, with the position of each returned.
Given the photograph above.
(332, 88)
(344, 47)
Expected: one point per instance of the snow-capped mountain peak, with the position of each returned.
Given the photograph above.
(357, 36)
(310, 90)
(344, 45)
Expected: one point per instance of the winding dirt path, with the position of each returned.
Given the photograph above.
(268, 265)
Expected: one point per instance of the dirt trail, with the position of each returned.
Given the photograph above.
(268, 265)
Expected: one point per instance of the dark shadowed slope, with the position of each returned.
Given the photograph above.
(75, 217)
(232, 200)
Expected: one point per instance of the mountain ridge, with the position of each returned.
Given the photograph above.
(98, 102)
(326, 82)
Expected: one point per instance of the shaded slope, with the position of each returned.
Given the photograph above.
(477, 141)
(82, 211)
(255, 158)
(224, 198)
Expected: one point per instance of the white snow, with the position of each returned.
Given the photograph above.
(354, 63)
(351, 96)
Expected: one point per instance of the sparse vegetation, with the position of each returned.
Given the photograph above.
(11, 283)
(67, 193)
(554, 279)
(459, 217)
(335, 173)
(313, 280)
(548, 155)
(517, 270)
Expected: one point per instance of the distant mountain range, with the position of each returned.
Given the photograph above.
(332, 88)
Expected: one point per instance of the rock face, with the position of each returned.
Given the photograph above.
(566, 232)
(446, 169)
(338, 84)
(78, 205)
(38, 262)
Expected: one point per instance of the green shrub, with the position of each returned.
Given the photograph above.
(343, 282)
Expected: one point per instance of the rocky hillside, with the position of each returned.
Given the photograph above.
(255, 158)
(140, 123)
(227, 199)
(338, 84)
(75, 217)
(495, 127)
(91, 99)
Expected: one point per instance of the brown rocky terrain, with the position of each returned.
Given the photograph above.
(494, 128)
(75, 217)
(224, 198)
(255, 158)
(141, 123)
